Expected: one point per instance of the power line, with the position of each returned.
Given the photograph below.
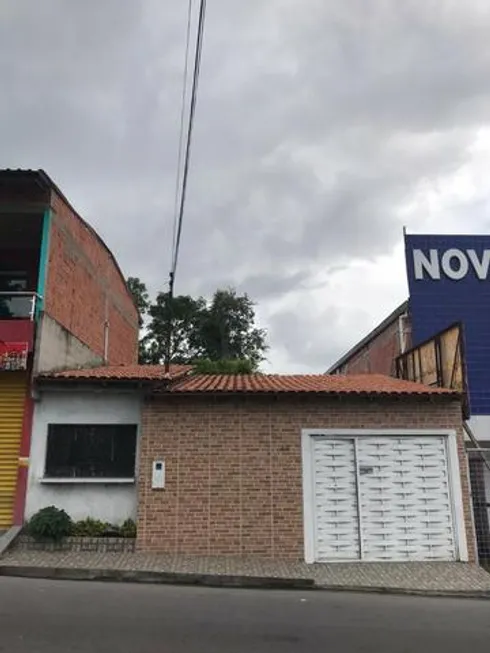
(177, 235)
(190, 128)
(182, 119)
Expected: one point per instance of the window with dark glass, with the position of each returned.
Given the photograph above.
(91, 451)
(13, 304)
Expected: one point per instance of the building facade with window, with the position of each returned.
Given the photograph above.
(84, 451)
(315, 468)
(86, 440)
(63, 303)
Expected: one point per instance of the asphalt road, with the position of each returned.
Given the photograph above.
(38, 616)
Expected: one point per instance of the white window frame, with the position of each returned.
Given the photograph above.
(454, 478)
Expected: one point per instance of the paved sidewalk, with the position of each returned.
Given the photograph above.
(437, 577)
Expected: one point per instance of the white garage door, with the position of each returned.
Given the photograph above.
(382, 498)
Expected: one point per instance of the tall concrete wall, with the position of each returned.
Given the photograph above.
(57, 348)
(96, 498)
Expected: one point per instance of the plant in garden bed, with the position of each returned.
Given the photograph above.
(90, 528)
(50, 523)
(128, 529)
(95, 528)
(54, 524)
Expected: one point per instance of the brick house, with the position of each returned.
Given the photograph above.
(63, 304)
(304, 467)
(319, 468)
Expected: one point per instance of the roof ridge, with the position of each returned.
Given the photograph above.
(182, 379)
(362, 384)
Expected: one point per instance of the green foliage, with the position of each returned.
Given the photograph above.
(95, 528)
(128, 529)
(228, 329)
(182, 317)
(142, 301)
(90, 528)
(140, 295)
(55, 524)
(50, 523)
(220, 330)
(239, 366)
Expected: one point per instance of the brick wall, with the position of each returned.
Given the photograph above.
(76, 544)
(84, 285)
(234, 472)
(378, 356)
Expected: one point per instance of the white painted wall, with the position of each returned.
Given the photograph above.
(480, 425)
(112, 502)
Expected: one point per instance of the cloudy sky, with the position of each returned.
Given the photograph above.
(323, 127)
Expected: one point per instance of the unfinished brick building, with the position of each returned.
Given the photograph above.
(63, 303)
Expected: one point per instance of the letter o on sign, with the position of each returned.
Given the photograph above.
(455, 264)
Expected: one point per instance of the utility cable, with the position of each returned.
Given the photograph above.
(176, 240)
(190, 129)
(182, 120)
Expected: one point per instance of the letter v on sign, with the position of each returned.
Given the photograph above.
(482, 266)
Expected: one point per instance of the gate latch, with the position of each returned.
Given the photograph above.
(365, 469)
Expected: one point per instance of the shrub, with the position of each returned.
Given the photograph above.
(90, 528)
(128, 528)
(50, 523)
(112, 530)
(55, 524)
(235, 366)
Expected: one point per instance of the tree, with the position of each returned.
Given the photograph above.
(141, 297)
(178, 318)
(228, 329)
(142, 301)
(220, 330)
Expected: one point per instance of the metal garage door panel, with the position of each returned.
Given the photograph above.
(405, 499)
(12, 396)
(335, 491)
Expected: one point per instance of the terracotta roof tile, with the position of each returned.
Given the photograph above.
(185, 383)
(120, 372)
(365, 384)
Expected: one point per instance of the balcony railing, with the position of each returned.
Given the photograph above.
(18, 305)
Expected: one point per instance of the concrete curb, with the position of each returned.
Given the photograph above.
(218, 580)
(404, 591)
(7, 538)
(157, 577)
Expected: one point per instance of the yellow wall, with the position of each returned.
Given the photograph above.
(12, 400)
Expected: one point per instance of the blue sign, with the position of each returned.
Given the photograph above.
(449, 281)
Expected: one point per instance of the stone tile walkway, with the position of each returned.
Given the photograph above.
(422, 576)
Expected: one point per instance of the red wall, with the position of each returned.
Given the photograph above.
(82, 279)
(17, 331)
(378, 356)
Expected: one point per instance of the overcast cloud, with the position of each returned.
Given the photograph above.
(322, 128)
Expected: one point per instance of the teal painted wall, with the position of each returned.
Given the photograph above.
(43, 260)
